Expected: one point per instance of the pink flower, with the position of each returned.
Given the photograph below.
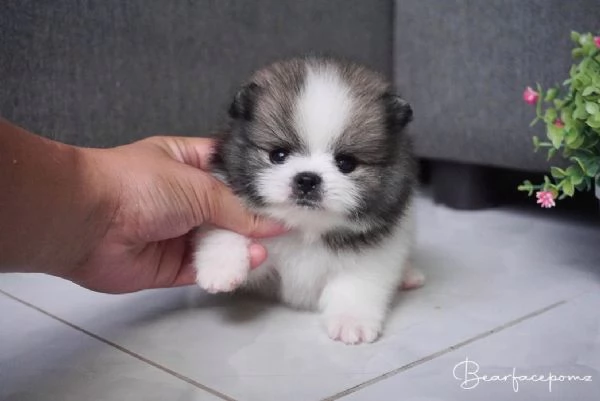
(545, 199)
(597, 41)
(559, 123)
(530, 96)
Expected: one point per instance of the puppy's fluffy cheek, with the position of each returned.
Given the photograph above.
(367, 183)
(340, 193)
(273, 184)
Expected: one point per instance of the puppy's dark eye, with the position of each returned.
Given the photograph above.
(278, 155)
(346, 163)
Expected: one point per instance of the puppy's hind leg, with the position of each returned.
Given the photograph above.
(412, 278)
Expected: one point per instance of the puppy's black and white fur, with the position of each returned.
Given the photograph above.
(319, 144)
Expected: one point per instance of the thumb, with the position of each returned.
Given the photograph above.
(216, 202)
(222, 208)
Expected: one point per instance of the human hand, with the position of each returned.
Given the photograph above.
(159, 191)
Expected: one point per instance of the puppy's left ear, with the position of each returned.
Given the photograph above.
(398, 111)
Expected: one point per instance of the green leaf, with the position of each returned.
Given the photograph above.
(594, 168)
(575, 174)
(573, 139)
(581, 81)
(592, 108)
(547, 180)
(566, 117)
(577, 144)
(527, 186)
(594, 121)
(555, 134)
(550, 116)
(551, 153)
(596, 78)
(580, 163)
(572, 71)
(551, 94)
(586, 40)
(575, 36)
(558, 172)
(571, 170)
(590, 90)
(567, 187)
(578, 52)
(580, 113)
(577, 180)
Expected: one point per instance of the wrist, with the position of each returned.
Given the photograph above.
(94, 204)
(53, 204)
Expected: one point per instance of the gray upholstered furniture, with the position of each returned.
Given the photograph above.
(101, 73)
(104, 72)
(463, 65)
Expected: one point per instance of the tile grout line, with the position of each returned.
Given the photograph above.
(442, 352)
(122, 349)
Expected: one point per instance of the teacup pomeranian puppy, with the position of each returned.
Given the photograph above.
(320, 145)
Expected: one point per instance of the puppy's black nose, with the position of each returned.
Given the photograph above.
(307, 182)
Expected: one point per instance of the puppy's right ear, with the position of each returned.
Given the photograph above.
(398, 111)
(244, 101)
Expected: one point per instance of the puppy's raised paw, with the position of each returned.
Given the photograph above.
(352, 330)
(222, 260)
(216, 280)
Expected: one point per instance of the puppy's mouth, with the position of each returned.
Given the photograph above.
(306, 203)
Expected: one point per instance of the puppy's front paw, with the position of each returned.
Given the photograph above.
(353, 330)
(222, 261)
(216, 280)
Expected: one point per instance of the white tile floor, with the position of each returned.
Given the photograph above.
(507, 289)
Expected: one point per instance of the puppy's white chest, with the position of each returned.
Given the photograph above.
(303, 267)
